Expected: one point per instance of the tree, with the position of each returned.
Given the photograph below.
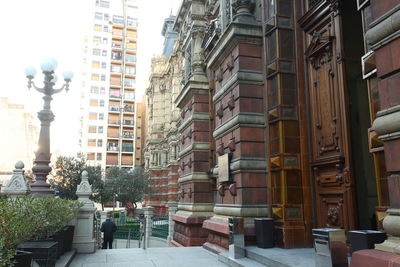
(129, 186)
(67, 176)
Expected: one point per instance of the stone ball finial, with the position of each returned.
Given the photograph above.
(19, 165)
(85, 175)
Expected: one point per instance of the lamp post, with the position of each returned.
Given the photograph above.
(41, 169)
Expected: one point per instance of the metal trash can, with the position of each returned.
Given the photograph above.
(236, 238)
(264, 230)
(365, 239)
(330, 247)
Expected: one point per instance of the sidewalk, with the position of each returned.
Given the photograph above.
(151, 257)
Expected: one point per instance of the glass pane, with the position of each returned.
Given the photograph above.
(271, 47)
(285, 7)
(273, 99)
(286, 43)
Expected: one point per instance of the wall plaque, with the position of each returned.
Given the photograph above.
(223, 168)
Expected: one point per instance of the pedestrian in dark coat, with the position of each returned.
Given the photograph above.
(108, 227)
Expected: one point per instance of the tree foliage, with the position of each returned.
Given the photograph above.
(67, 176)
(128, 185)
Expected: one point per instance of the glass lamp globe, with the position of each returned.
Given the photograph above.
(30, 71)
(68, 75)
(48, 64)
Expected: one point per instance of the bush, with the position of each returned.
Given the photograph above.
(30, 217)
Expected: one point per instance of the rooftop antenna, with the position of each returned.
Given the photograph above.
(170, 12)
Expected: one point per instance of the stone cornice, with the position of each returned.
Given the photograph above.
(248, 77)
(384, 29)
(196, 116)
(242, 119)
(234, 34)
(193, 86)
(195, 146)
(387, 123)
(194, 176)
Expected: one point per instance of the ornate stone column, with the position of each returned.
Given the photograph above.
(17, 186)
(84, 240)
(172, 208)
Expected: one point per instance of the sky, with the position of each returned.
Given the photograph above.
(34, 30)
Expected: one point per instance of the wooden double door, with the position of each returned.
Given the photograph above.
(329, 120)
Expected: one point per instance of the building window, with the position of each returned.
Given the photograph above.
(93, 103)
(105, 40)
(98, 15)
(116, 55)
(129, 82)
(100, 129)
(102, 90)
(94, 90)
(90, 156)
(130, 70)
(95, 77)
(92, 115)
(104, 53)
(95, 64)
(91, 142)
(96, 52)
(103, 77)
(97, 27)
(99, 156)
(103, 65)
(99, 142)
(118, 19)
(106, 17)
(132, 22)
(130, 58)
(105, 28)
(101, 116)
(96, 40)
(92, 129)
(101, 103)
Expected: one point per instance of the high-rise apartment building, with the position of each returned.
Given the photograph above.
(108, 87)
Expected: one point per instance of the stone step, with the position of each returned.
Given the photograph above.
(66, 259)
(277, 257)
(243, 262)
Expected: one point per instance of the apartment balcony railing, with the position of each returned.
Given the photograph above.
(129, 109)
(127, 148)
(128, 122)
(115, 96)
(128, 136)
(112, 148)
(112, 108)
(114, 122)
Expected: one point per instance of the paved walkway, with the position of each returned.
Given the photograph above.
(151, 257)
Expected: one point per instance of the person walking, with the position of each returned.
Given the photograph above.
(108, 228)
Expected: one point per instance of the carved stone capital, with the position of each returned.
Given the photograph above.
(243, 11)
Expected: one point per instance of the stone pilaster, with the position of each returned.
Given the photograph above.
(195, 190)
(235, 62)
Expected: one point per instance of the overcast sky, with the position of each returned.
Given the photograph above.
(33, 30)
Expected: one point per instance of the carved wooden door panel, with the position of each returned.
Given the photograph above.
(329, 124)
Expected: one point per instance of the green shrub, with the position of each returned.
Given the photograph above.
(31, 217)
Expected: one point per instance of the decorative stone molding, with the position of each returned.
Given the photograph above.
(244, 11)
(391, 224)
(387, 123)
(384, 29)
(17, 186)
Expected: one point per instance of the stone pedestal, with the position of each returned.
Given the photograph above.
(84, 239)
(148, 214)
(172, 208)
(17, 185)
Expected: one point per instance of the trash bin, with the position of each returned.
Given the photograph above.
(330, 247)
(365, 239)
(264, 230)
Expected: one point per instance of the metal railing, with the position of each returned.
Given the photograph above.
(160, 227)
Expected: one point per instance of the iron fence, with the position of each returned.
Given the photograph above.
(159, 226)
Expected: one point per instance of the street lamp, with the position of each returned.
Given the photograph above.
(41, 169)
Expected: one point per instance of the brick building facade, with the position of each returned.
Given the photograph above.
(288, 109)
